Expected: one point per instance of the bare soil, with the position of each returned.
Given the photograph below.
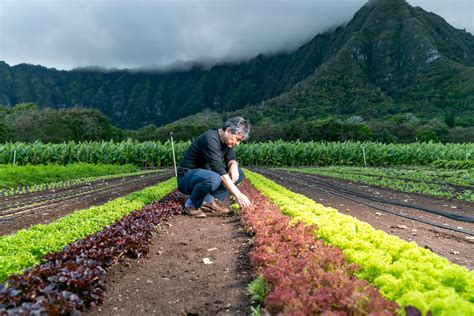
(71, 199)
(458, 247)
(174, 279)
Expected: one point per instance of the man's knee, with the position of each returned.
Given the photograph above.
(214, 180)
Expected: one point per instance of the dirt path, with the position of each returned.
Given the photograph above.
(73, 199)
(456, 246)
(174, 280)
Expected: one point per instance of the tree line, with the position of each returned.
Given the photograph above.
(27, 122)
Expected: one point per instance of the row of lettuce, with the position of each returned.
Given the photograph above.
(299, 274)
(404, 272)
(26, 247)
(71, 281)
(276, 153)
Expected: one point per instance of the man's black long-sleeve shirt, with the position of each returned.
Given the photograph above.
(207, 152)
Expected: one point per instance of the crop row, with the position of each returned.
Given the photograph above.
(425, 185)
(278, 153)
(71, 280)
(303, 275)
(14, 176)
(68, 183)
(144, 154)
(26, 247)
(421, 174)
(402, 271)
(48, 201)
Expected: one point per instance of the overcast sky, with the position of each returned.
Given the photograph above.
(66, 34)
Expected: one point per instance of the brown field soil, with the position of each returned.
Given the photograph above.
(456, 246)
(46, 206)
(174, 279)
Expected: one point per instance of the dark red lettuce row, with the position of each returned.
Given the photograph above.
(72, 280)
(304, 276)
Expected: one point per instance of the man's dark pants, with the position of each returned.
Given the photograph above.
(197, 183)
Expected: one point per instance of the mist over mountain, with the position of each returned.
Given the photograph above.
(390, 59)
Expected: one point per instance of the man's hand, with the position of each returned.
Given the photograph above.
(234, 173)
(243, 200)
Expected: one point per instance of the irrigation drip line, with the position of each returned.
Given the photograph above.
(456, 217)
(395, 213)
(455, 186)
(461, 218)
(447, 227)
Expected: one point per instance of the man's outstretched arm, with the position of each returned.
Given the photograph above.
(242, 199)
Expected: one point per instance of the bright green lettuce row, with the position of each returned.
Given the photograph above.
(25, 248)
(402, 271)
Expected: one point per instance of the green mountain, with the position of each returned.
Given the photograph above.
(134, 99)
(391, 62)
(390, 58)
(404, 71)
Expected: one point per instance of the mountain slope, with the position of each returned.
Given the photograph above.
(390, 58)
(134, 99)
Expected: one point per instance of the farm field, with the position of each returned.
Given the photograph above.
(442, 183)
(40, 207)
(118, 244)
(367, 203)
(174, 264)
(21, 179)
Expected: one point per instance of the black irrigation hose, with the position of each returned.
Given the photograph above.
(384, 210)
(456, 217)
(394, 213)
(454, 186)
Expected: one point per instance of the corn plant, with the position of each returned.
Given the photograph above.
(277, 153)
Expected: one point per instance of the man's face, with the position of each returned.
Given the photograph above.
(232, 140)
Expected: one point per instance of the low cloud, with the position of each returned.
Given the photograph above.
(163, 34)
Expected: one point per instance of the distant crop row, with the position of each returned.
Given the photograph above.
(19, 190)
(453, 184)
(278, 153)
(23, 176)
(420, 174)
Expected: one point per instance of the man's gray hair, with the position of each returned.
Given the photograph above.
(238, 125)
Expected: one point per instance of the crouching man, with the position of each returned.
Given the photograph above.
(209, 170)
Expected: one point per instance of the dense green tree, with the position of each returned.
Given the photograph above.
(27, 122)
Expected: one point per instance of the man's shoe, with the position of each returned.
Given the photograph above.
(215, 207)
(193, 212)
